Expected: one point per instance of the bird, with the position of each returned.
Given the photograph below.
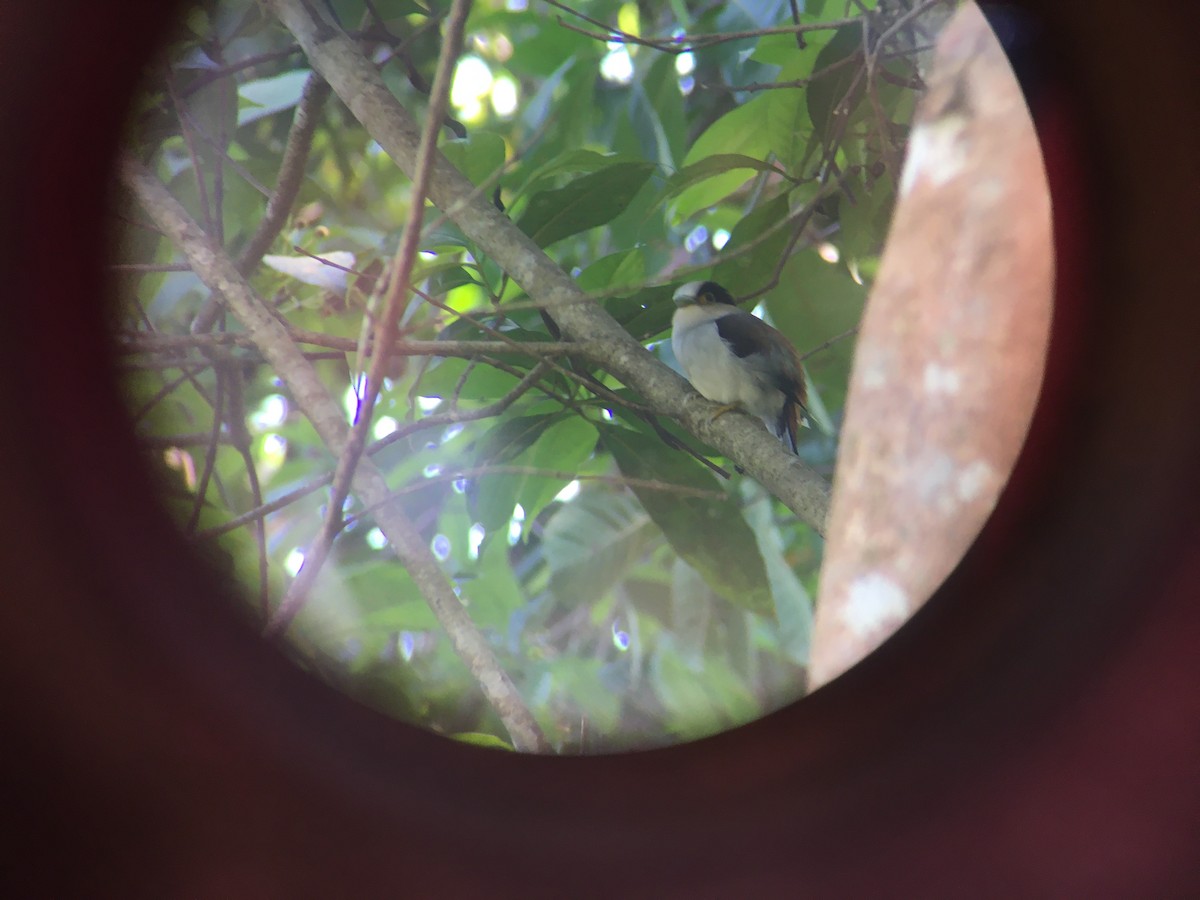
(736, 359)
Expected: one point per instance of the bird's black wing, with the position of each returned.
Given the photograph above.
(769, 353)
(744, 333)
(764, 349)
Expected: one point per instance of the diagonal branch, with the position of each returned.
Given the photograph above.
(435, 421)
(220, 275)
(740, 438)
(132, 342)
(385, 329)
(281, 200)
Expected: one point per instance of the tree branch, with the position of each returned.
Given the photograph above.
(385, 327)
(287, 186)
(139, 342)
(451, 418)
(740, 438)
(220, 275)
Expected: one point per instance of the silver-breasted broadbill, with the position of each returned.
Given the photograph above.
(736, 359)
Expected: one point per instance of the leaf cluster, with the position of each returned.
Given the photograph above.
(633, 595)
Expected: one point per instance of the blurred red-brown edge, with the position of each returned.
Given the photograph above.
(1034, 729)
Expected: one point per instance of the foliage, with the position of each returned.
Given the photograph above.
(633, 595)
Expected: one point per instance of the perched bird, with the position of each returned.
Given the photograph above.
(735, 358)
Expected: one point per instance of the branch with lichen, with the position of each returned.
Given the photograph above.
(356, 81)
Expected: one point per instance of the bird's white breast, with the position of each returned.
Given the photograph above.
(713, 369)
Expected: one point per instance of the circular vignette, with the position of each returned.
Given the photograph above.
(155, 745)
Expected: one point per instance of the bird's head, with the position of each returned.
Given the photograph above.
(702, 293)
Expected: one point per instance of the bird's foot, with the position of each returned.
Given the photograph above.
(728, 407)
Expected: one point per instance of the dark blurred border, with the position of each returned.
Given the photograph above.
(1035, 730)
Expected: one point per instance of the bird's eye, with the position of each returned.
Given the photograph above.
(706, 297)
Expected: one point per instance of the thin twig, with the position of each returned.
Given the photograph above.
(357, 82)
(210, 458)
(597, 388)
(138, 342)
(161, 394)
(444, 419)
(825, 345)
(385, 330)
(219, 274)
(686, 43)
(150, 267)
(755, 86)
(185, 130)
(207, 78)
(287, 187)
(796, 21)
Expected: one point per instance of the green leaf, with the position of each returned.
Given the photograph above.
(645, 123)
(267, 96)
(510, 437)
(591, 543)
(816, 301)
(699, 172)
(570, 162)
(564, 446)
(585, 203)
(496, 496)
(447, 278)
(496, 594)
(789, 128)
(779, 49)
(646, 313)
(750, 14)
(445, 235)
(538, 107)
(752, 270)
(864, 223)
(614, 271)
(710, 535)
(446, 379)
(386, 597)
(582, 680)
(691, 610)
(541, 50)
(700, 699)
(793, 605)
(738, 132)
(661, 87)
(828, 93)
(213, 110)
(478, 156)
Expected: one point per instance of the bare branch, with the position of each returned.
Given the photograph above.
(359, 86)
(279, 204)
(270, 336)
(825, 345)
(138, 342)
(451, 418)
(385, 330)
